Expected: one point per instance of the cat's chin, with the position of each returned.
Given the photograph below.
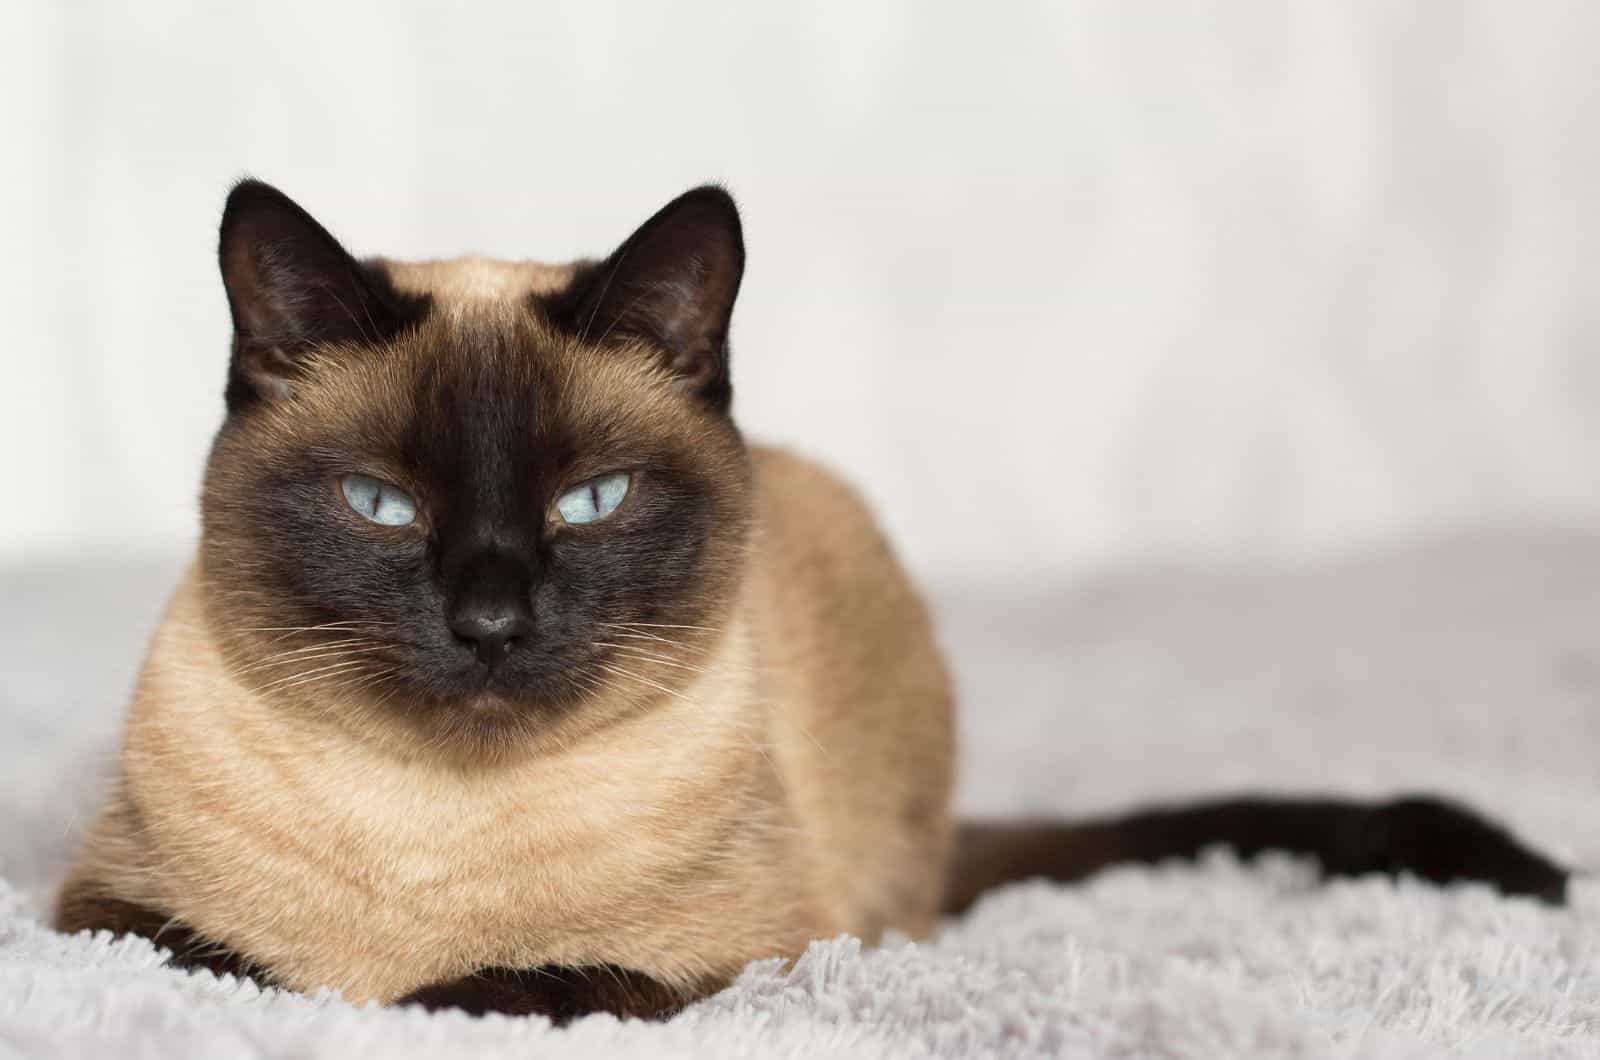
(491, 706)
(476, 691)
(479, 722)
(480, 711)
(491, 709)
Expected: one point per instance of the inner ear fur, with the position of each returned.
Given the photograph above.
(672, 284)
(292, 290)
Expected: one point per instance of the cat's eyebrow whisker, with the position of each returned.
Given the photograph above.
(645, 292)
(369, 336)
(600, 300)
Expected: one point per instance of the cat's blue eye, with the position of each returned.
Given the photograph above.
(378, 501)
(593, 499)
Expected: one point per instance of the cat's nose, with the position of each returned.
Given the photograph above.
(493, 632)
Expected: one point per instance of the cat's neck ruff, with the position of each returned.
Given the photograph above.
(284, 831)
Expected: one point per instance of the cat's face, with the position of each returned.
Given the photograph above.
(475, 498)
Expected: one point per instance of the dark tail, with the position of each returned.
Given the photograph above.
(1428, 837)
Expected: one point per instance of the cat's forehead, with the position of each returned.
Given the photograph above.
(483, 365)
(476, 281)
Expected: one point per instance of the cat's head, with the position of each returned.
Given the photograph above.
(475, 499)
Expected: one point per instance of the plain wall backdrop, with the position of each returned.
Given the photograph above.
(1057, 284)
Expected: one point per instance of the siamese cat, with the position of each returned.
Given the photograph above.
(509, 676)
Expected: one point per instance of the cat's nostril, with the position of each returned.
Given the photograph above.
(493, 635)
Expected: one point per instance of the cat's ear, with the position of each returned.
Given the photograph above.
(673, 285)
(292, 290)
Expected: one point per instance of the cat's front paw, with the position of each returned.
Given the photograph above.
(562, 994)
(1442, 841)
(491, 990)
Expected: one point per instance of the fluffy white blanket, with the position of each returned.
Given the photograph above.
(1469, 667)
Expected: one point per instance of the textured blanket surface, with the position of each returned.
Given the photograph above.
(1469, 667)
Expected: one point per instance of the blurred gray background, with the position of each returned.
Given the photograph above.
(1060, 285)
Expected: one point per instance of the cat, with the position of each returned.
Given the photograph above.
(510, 677)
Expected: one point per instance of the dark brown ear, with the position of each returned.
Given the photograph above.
(292, 290)
(672, 284)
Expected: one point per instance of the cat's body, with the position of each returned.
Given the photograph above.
(682, 842)
(484, 730)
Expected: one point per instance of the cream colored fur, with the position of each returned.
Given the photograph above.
(795, 788)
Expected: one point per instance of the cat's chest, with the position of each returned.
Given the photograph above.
(328, 881)
(342, 868)
(334, 860)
